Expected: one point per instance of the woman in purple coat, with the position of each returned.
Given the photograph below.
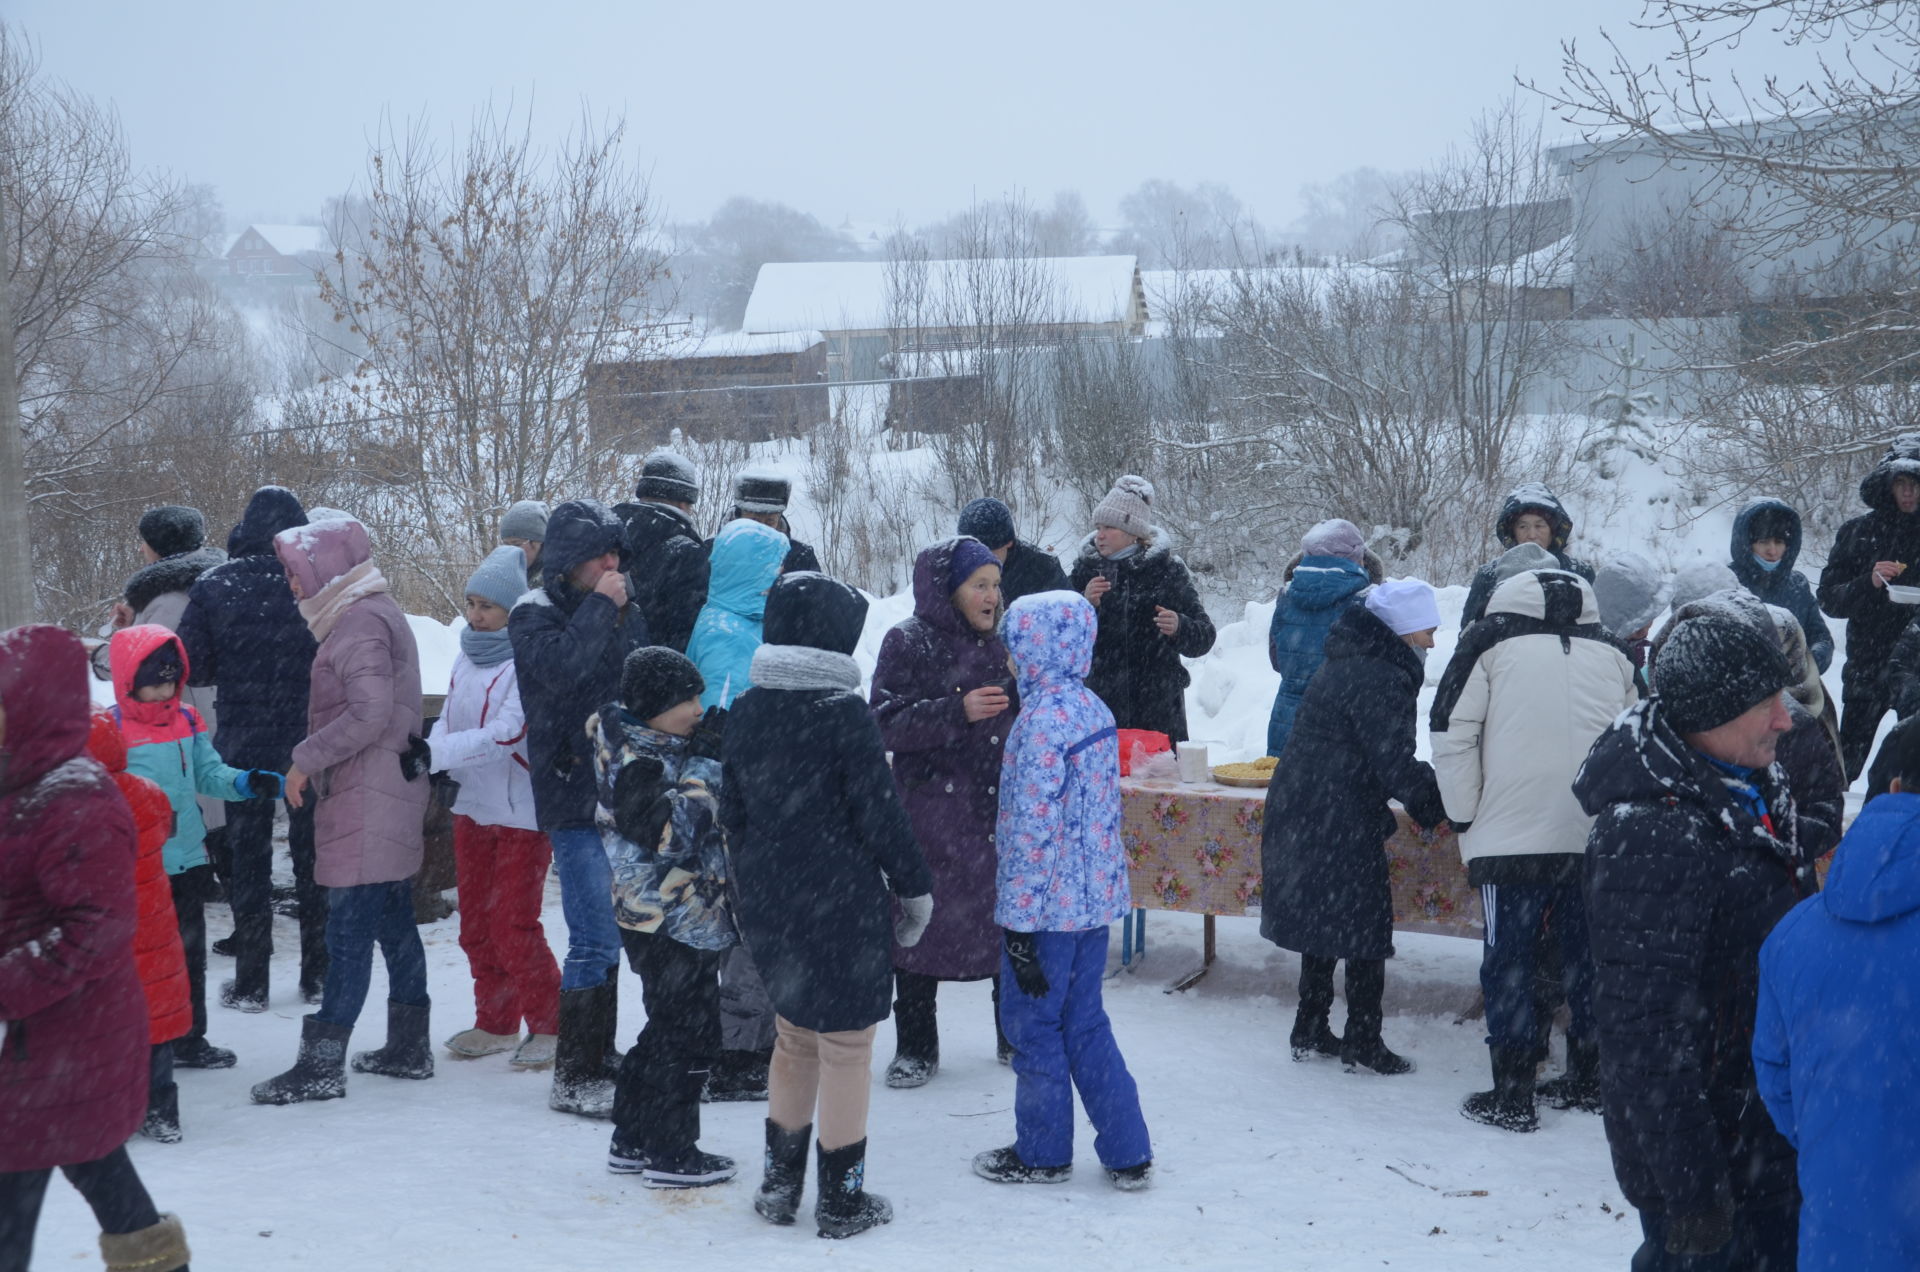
(942, 695)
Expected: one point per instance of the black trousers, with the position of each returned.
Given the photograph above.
(1764, 1240)
(110, 1185)
(656, 1098)
(916, 1021)
(1366, 987)
(190, 912)
(1863, 701)
(250, 891)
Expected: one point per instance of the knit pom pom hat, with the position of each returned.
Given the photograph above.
(1128, 507)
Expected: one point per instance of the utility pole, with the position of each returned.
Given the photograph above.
(16, 546)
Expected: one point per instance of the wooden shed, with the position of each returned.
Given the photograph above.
(748, 387)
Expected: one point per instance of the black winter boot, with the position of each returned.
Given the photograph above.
(407, 1054)
(610, 1028)
(916, 1032)
(1002, 1047)
(1312, 1035)
(195, 1052)
(778, 1200)
(1362, 1047)
(320, 1071)
(1579, 1087)
(1003, 1166)
(1509, 1105)
(580, 1080)
(162, 1123)
(845, 1208)
(738, 1076)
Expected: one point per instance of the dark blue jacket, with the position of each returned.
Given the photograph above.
(1318, 591)
(243, 633)
(1783, 585)
(1884, 533)
(568, 648)
(1836, 1046)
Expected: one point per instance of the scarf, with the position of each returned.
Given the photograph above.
(1126, 553)
(324, 611)
(803, 667)
(485, 649)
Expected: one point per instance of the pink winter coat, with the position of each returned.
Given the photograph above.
(73, 1062)
(364, 701)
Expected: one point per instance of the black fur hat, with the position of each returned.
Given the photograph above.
(172, 529)
(655, 677)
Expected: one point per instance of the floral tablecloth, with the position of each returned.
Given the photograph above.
(1196, 849)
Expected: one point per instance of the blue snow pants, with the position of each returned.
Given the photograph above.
(1062, 1042)
(1517, 925)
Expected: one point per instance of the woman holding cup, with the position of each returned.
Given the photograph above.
(942, 696)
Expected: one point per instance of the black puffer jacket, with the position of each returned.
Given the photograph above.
(1874, 620)
(1137, 671)
(568, 648)
(1783, 585)
(817, 834)
(1323, 857)
(801, 557)
(666, 563)
(1530, 497)
(1029, 570)
(244, 635)
(1683, 884)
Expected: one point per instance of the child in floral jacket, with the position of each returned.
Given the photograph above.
(657, 766)
(1062, 880)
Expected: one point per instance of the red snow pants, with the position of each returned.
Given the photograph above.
(502, 876)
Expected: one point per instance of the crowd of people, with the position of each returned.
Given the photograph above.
(674, 726)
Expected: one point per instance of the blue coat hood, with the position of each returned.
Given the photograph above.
(1876, 872)
(1321, 582)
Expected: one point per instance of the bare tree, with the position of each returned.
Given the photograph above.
(474, 287)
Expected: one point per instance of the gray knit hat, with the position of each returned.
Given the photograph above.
(1631, 592)
(668, 475)
(501, 578)
(1523, 558)
(527, 520)
(1127, 507)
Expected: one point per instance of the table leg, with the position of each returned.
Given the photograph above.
(1126, 939)
(1206, 942)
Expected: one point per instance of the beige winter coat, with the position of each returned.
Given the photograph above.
(1528, 713)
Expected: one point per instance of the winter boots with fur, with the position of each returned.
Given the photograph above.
(583, 1067)
(1509, 1106)
(472, 1044)
(845, 1208)
(408, 1053)
(160, 1248)
(318, 1073)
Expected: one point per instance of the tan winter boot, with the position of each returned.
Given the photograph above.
(161, 1248)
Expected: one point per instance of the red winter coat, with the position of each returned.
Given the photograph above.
(73, 1064)
(157, 951)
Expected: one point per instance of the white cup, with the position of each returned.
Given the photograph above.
(1193, 763)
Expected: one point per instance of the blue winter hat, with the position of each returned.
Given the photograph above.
(989, 521)
(969, 554)
(501, 578)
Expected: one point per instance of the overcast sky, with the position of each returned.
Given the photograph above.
(873, 111)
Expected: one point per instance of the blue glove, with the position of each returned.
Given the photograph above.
(260, 784)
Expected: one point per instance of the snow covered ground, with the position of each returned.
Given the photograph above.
(1260, 1162)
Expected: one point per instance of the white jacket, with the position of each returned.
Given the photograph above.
(480, 740)
(1529, 710)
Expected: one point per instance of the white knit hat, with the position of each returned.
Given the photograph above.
(1128, 507)
(1405, 605)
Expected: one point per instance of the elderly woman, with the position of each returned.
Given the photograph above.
(1330, 572)
(941, 696)
(1531, 513)
(1150, 614)
(366, 770)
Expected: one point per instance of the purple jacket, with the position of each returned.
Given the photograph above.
(365, 700)
(946, 770)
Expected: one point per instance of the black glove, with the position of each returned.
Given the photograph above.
(1027, 974)
(705, 740)
(638, 810)
(417, 759)
(1701, 1231)
(264, 784)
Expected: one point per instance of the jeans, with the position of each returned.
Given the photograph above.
(1515, 917)
(110, 1185)
(502, 874)
(357, 919)
(586, 899)
(656, 1100)
(250, 891)
(1763, 1241)
(1063, 1042)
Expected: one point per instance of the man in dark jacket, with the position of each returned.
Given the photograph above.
(1531, 513)
(1766, 543)
(1871, 551)
(1837, 1041)
(571, 637)
(1024, 568)
(1689, 865)
(244, 635)
(661, 553)
(761, 494)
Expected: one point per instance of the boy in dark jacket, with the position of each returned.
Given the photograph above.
(571, 637)
(1836, 1045)
(1024, 568)
(1690, 863)
(243, 633)
(661, 828)
(660, 551)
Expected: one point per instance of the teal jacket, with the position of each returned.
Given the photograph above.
(747, 557)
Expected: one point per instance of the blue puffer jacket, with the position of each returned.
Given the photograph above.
(243, 633)
(568, 647)
(1317, 592)
(747, 558)
(1836, 1046)
(1783, 585)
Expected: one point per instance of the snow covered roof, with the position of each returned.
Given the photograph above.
(853, 295)
(289, 240)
